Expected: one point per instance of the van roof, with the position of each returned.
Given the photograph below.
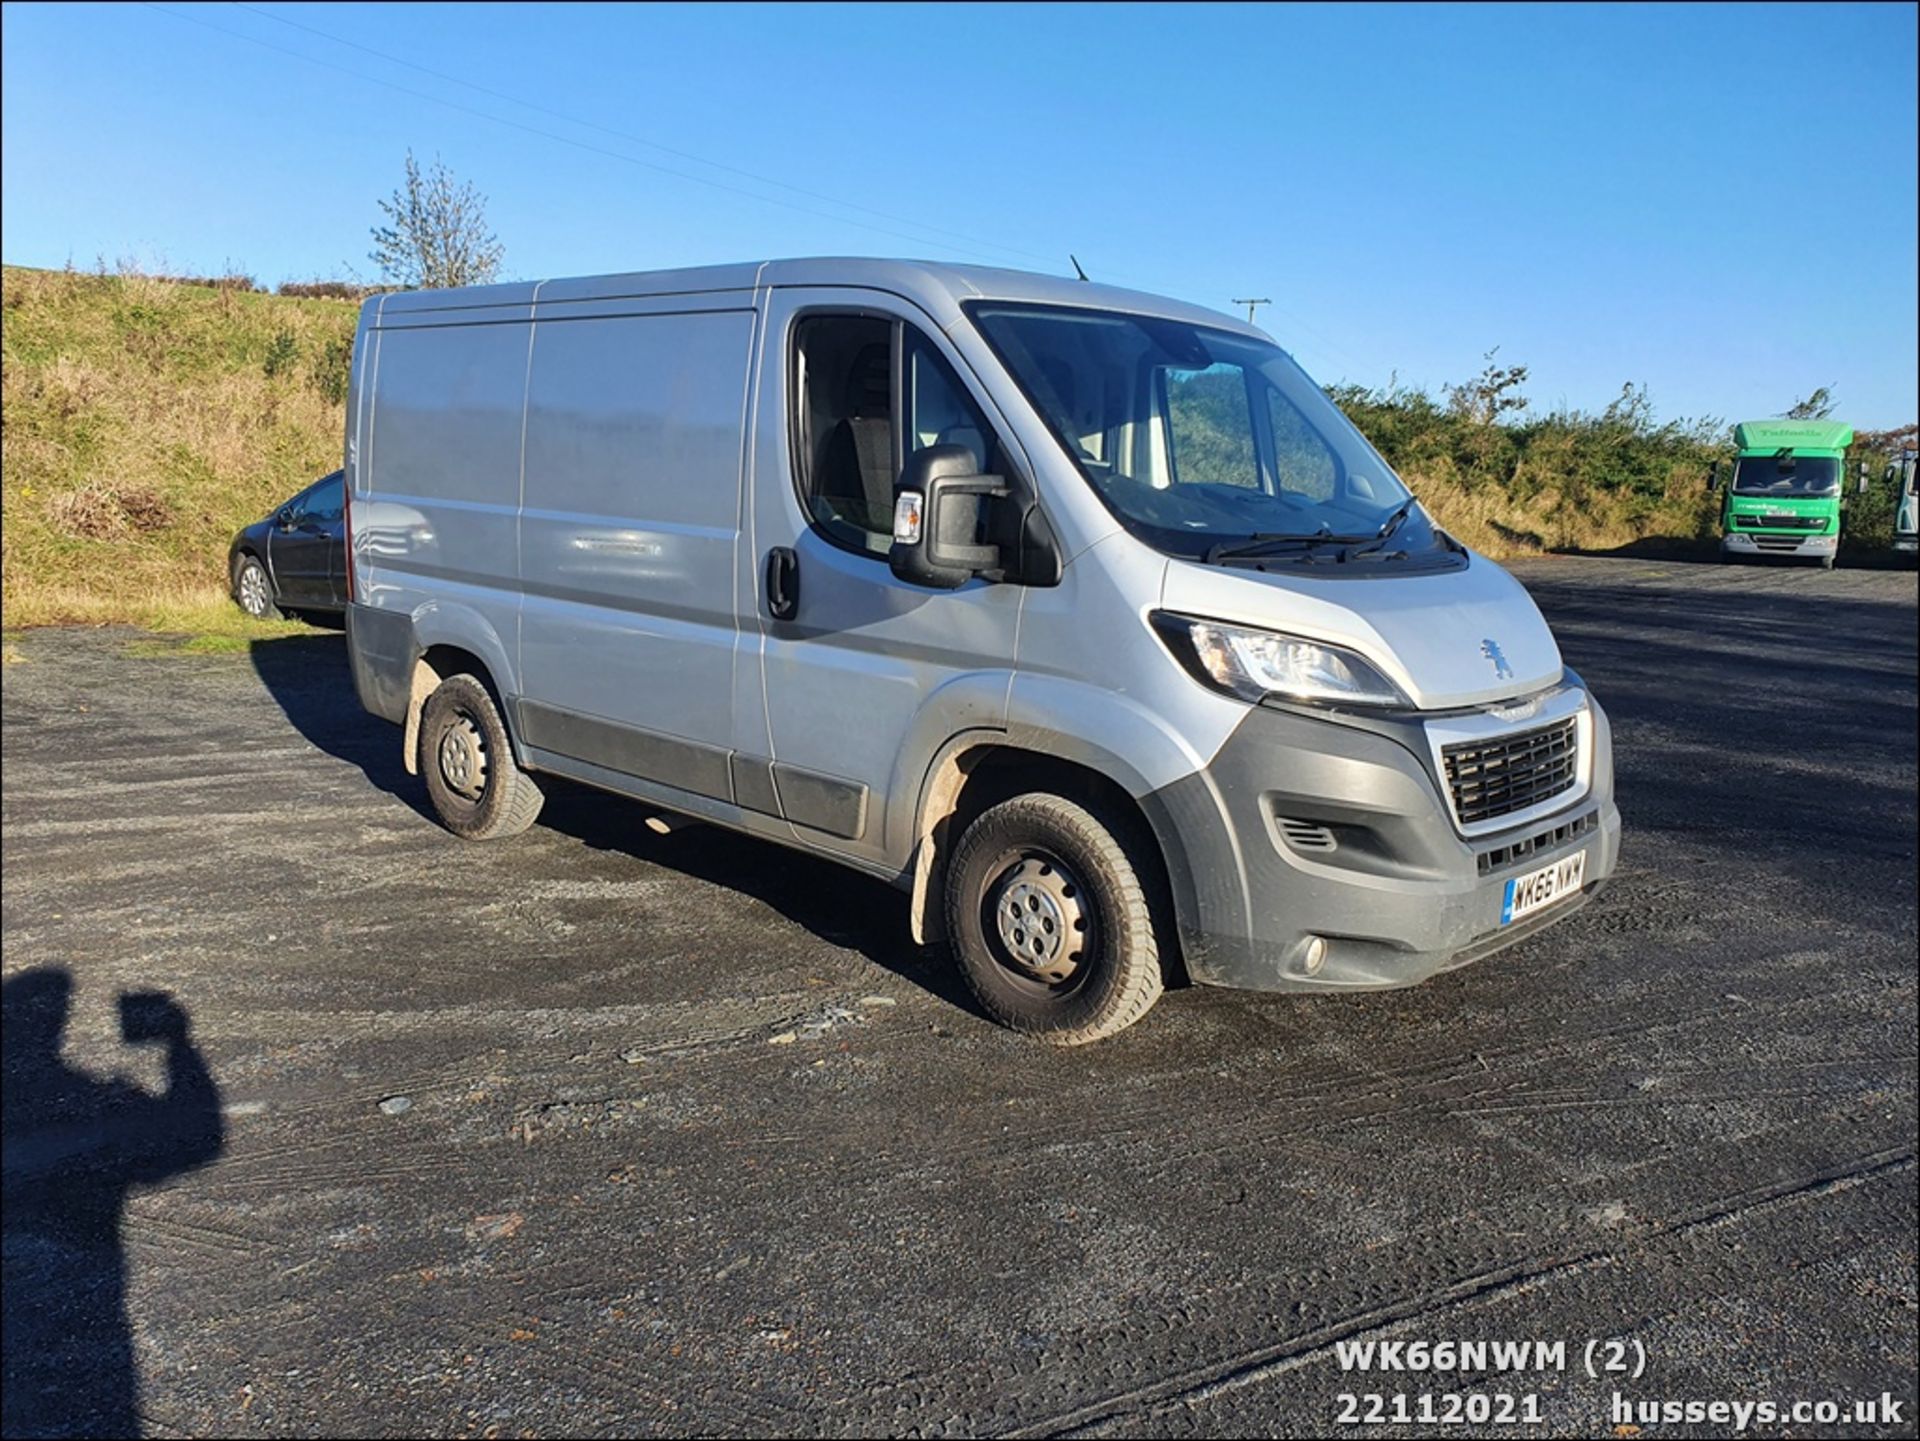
(936, 287)
(1768, 436)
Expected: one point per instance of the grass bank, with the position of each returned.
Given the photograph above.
(146, 421)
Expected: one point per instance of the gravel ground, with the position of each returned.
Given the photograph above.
(602, 1131)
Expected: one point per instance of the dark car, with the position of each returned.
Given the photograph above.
(296, 559)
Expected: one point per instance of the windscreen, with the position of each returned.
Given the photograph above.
(1786, 475)
(1203, 442)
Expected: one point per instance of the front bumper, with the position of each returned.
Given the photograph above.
(1398, 897)
(1742, 542)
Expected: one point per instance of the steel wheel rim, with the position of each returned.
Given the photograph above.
(1042, 930)
(462, 756)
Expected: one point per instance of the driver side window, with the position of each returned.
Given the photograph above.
(846, 449)
(852, 431)
(940, 411)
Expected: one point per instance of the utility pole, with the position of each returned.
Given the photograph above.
(1250, 304)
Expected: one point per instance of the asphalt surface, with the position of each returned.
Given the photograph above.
(681, 1134)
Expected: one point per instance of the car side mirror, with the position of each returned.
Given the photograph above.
(1860, 484)
(1713, 476)
(285, 518)
(937, 511)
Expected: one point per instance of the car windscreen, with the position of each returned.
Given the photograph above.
(1202, 441)
(1787, 475)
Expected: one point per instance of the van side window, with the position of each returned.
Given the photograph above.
(939, 410)
(853, 435)
(845, 440)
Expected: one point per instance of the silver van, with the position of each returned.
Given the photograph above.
(1080, 615)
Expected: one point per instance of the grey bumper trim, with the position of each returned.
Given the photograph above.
(1401, 895)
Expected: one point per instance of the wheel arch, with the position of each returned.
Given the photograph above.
(433, 665)
(448, 637)
(245, 550)
(978, 769)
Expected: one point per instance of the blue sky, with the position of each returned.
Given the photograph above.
(1717, 201)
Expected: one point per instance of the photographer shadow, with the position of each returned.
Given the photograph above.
(74, 1146)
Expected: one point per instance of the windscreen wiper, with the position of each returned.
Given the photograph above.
(1269, 542)
(1386, 531)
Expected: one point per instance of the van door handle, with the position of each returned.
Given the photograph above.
(783, 582)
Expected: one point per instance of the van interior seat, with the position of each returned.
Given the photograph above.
(856, 471)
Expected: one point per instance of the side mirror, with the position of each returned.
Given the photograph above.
(1713, 476)
(285, 518)
(1860, 484)
(937, 504)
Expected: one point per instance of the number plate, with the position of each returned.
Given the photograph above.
(1539, 889)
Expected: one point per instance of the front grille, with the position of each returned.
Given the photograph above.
(1782, 522)
(1512, 772)
(1777, 542)
(1502, 856)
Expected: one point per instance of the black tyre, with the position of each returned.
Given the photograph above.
(1050, 920)
(467, 759)
(253, 590)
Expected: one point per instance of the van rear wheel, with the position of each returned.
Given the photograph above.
(478, 790)
(1050, 921)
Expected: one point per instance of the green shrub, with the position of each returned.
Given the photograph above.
(328, 374)
(282, 351)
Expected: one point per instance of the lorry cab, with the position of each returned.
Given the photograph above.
(1783, 498)
(1080, 615)
(1906, 513)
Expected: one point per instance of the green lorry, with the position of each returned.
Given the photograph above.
(1906, 503)
(1784, 495)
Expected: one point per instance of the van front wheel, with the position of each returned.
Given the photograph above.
(467, 759)
(1050, 921)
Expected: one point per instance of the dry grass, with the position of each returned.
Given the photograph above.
(178, 609)
(1504, 523)
(142, 430)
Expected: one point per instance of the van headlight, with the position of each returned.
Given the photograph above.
(1254, 664)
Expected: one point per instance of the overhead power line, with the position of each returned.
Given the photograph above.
(967, 246)
(563, 139)
(628, 136)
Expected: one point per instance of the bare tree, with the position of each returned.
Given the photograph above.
(1818, 406)
(436, 233)
(1490, 394)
